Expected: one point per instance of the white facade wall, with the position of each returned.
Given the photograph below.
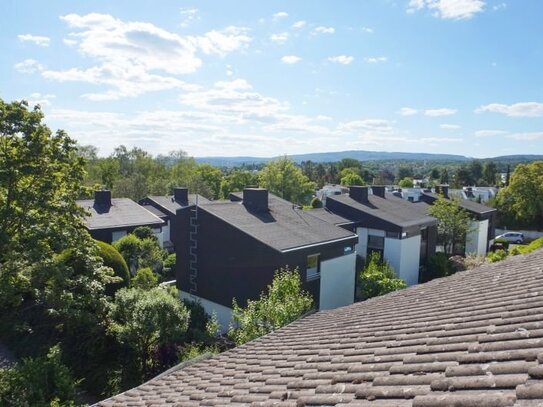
(476, 239)
(337, 281)
(404, 256)
(224, 314)
(166, 231)
(159, 236)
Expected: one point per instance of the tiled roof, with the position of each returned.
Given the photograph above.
(474, 339)
(390, 209)
(123, 212)
(171, 205)
(283, 227)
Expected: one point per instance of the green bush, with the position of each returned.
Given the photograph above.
(496, 256)
(144, 232)
(145, 279)
(378, 278)
(316, 203)
(40, 382)
(536, 244)
(112, 258)
(437, 266)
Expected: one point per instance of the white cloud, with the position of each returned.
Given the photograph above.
(37, 98)
(376, 60)
(489, 133)
(367, 30)
(36, 39)
(136, 57)
(501, 6)
(440, 112)
(279, 38)
(342, 59)
(324, 30)
(448, 9)
(525, 109)
(380, 126)
(529, 136)
(290, 59)
(408, 111)
(280, 14)
(29, 66)
(188, 16)
(450, 126)
(439, 140)
(299, 24)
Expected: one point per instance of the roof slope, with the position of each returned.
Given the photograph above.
(470, 206)
(123, 212)
(171, 205)
(474, 339)
(283, 227)
(390, 209)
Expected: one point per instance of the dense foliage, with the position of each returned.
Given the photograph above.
(453, 224)
(112, 258)
(378, 278)
(283, 303)
(437, 266)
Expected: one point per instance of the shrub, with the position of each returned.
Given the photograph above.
(144, 232)
(112, 258)
(437, 266)
(194, 350)
(145, 279)
(316, 203)
(41, 382)
(496, 256)
(378, 278)
(536, 244)
(129, 247)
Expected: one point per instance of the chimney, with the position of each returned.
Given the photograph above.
(359, 194)
(378, 190)
(102, 198)
(181, 195)
(442, 190)
(255, 199)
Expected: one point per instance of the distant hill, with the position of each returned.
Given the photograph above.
(333, 157)
(361, 155)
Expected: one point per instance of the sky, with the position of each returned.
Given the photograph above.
(254, 78)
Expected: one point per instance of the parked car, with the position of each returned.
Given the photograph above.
(513, 237)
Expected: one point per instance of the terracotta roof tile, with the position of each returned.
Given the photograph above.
(474, 339)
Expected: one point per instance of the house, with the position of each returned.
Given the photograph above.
(483, 224)
(231, 249)
(166, 206)
(110, 219)
(479, 194)
(329, 190)
(473, 339)
(399, 231)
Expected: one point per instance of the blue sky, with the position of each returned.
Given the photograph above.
(268, 78)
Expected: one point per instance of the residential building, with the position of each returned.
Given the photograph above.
(110, 219)
(329, 190)
(166, 206)
(473, 339)
(400, 232)
(231, 249)
(482, 229)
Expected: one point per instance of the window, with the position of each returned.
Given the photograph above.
(313, 267)
(376, 242)
(393, 235)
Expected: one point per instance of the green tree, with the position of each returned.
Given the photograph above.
(145, 279)
(489, 173)
(522, 199)
(146, 320)
(38, 382)
(453, 223)
(352, 179)
(112, 258)
(130, 248)
(236, 181)
(316, 203)
(476, 170)
(404, 172)
(406, 183)
(283, 303)
(283, 178)
(378, 278)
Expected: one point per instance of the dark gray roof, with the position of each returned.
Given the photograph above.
(283, 227)
(474, 339)
(123, 212)
(390, 209)
(468, 205)
(171, 205)
(327, 216)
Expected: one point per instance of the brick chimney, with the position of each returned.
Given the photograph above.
(359, 194)
(181, 195)
(378, 190)
(255, 199)
(102, 198)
